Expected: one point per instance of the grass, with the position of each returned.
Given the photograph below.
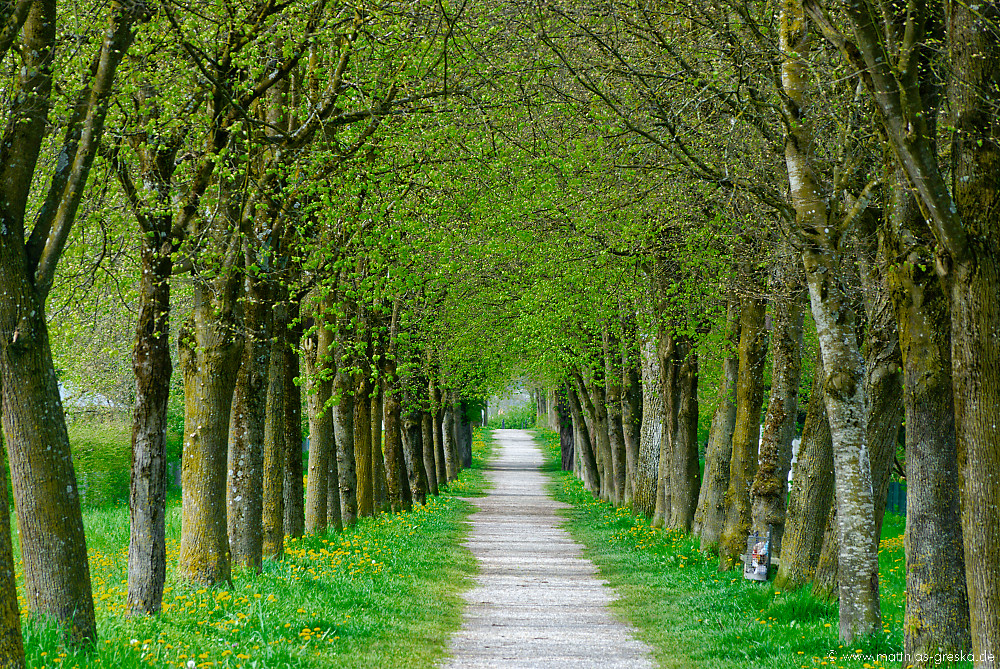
(102, 456)
(383, 593)
(692, 615)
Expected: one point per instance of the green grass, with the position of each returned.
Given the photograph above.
(102, 457)
(384, 593)
(692, 615)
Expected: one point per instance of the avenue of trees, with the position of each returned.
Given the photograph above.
(379, 212)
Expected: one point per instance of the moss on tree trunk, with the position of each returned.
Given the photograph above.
(746, 431)
(811, 494)
(711, 512)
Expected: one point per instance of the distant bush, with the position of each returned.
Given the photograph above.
(521, 416)
(102, 459)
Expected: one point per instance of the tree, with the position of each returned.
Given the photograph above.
(894, 73)
(53, 546)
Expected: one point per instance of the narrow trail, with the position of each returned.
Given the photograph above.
(537, 602)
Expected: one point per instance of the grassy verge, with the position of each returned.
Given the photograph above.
(692, 615)
(384, 593)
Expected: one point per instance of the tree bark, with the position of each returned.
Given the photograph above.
(273, 514)
(209, 350)
(883, 365)
(553, 415)
(711, 513)
(682, 416)
(746, 431)
(245, 465)
(937, 605)
(651, 433)
(319, 371)
(147, 553)
(292, 491)
(53, 546)
(343, 429)
(49, 519)
(811, 495)
(413, 456)
(427, 441)
(964, 224)
(975, 308)
(594, 402)
(613, 407)
(437, 412)
(334, 512)
(560, 403)
(769, 492)
(451, 457)
(821, 234)
(664, 488)
(581, 442)
(826, 582)
(363, 445)
(463, 432)
(631, 422)
(406, 492)
(11, 642)
(395, 470)
(380, 486)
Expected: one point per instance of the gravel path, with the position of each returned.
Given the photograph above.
(537, 602)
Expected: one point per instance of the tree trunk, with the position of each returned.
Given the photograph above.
(334, 512)
(594, 400)
(147, 552)
(937, 605)
(49, 519)
(273, 514)
(463, 432)
(581, 442)
(975, 308)
(406, 492)
(427, 441)
(363, 445)
(245, 466)
(682, 414)
(651, 433)
(661, 512)
(560, 402)
(54, 554)
(395, 470)
(293, 493)
(826, 582)
(769, 492)
(319, 370)
(553, 416)
(613, 407)
(964, 223)
(379, 485)
(860, 613)
(811, 495)
(541, 406)
(883, 366)
(711, 513)
(746, 431)
(451, 457)
(343, 429)
(413, 456)
(821, 235)
(631, 423)
(11, 642)
(209, 351)
(440, 462)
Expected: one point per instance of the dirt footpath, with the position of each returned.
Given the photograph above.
(537, 602)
